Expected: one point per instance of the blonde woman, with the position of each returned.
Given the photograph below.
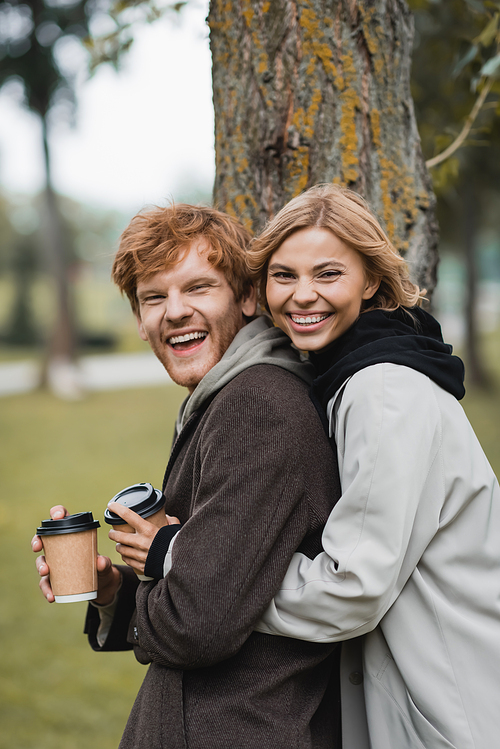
(410, 573)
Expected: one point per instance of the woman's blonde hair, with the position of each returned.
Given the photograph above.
(347, 215)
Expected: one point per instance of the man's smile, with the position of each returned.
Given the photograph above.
(187, 340)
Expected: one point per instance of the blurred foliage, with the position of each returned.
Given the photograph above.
(456, 88)
(456, 57)
(33, 34)
(91, 238)
(121, 18)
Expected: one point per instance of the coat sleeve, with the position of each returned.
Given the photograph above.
(250, 513)
(388, 432)
(117, 638)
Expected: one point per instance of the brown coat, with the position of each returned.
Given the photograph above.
(252, 479)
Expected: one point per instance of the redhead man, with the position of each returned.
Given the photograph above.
(247, 479)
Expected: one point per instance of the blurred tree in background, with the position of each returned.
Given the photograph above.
(33, 33)
(28, 310)
(456, 75)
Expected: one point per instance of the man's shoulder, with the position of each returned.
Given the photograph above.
(271, 379)
(271, 390)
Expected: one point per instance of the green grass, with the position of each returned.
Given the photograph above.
(55, 693)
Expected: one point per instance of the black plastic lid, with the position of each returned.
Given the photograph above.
(77, 523)
(143, 499)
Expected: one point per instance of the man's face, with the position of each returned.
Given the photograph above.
(189, 315)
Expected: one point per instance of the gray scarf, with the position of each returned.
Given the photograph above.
(258, 342)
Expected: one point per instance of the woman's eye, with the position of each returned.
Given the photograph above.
(282, 274)
(329, 274)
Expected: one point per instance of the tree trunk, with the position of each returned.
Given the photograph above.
(59, 370)
(309, 91)
(476, 372)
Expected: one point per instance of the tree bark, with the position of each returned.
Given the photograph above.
(309, 91)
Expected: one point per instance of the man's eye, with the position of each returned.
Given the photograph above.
(199, 287)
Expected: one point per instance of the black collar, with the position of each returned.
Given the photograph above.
(410, 337)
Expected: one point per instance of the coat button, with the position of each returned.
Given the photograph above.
(136, 634)
(356, 678)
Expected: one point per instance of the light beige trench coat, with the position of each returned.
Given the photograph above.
(410, 575)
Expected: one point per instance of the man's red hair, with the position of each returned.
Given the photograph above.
(157, 238)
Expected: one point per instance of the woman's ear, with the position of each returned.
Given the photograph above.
(371, 287)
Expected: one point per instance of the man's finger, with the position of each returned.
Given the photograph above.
(41, 566)
(103, 563)
(130, 554)
(130, 517)
(58, 512)
(46, 589)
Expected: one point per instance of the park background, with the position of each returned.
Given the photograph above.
(144, 134)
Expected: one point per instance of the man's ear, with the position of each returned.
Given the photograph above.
(249, 302)
(371, 287)
(140, 328)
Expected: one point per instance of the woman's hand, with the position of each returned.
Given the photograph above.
(108, 576)
(134, 547)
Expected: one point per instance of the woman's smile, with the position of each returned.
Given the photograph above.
(310, 322)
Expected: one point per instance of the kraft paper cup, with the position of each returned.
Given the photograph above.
(70, 547)
(143, 499)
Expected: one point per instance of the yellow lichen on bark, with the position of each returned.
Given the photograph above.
(375, 43)
(315, 45)
(298, 118)
(243, 165)
(398, 199)
(224, 24)
(248, 12)
(241, 207)
(348, 141)
(312, 112)
(375, 125)
(297, 171)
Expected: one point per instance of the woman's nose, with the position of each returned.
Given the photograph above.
(304, 292)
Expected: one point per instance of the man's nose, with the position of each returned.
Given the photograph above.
(177, 307)
(304, 292)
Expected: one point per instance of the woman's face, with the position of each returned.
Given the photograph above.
(315, 287)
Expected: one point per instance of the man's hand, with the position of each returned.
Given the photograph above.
(134, 547)
(108, 576)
